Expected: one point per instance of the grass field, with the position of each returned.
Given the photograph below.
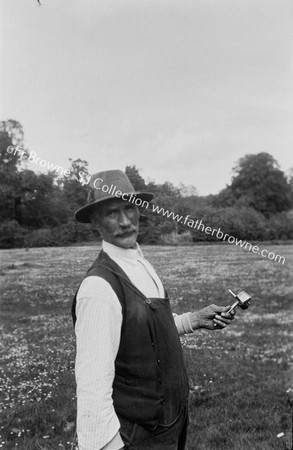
(238, 377)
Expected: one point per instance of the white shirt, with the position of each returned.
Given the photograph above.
(97, 328)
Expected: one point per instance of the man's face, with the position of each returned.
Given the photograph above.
(118, 222)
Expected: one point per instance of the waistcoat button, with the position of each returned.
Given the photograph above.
(148, 301)
(158, 361)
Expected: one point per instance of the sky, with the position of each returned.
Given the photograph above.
(180, 88)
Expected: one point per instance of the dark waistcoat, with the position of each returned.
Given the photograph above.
(150, 385)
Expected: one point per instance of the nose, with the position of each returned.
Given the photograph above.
(124, 220)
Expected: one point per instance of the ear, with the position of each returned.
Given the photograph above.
(97, 224)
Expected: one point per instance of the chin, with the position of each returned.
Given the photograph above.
(128, 242)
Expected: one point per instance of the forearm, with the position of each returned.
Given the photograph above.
(188, 322)
(97, 337)
(183, 323)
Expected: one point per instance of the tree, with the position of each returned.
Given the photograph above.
(290, 181)
(225, 198)
(75, 186)
(40, 204)
(259, 183)
(11, 155)
(136, 179)
(12, 151)
(188, 191)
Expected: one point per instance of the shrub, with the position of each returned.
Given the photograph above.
(280, 226)
(11, 234)
(43, 237)
(243, 223)
(59, 236)
(175, 239)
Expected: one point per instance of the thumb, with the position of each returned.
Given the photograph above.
(221, 309)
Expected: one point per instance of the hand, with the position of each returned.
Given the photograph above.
(212, 317)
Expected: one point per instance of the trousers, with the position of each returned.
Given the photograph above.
(137, 437)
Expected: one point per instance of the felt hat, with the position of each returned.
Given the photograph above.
(108, 185)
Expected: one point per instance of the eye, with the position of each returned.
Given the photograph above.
(129, 207)
(112, 213)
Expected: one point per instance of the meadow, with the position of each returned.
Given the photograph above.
(240, 378)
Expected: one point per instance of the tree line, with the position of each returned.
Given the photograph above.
(36, 209)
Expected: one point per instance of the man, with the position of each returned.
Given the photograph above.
(132, 387)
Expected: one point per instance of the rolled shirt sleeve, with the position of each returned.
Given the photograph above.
(97, 328)
(183, 323)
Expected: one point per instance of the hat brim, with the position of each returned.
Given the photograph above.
(82, 214)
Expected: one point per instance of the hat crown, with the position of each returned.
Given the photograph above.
(102, 184)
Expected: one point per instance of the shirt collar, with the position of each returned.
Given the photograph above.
(124, 253)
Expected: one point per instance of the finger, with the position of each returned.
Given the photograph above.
(229, 312)
(221, 309)
(219, 323)
(214, 326)
(228, 315)
(219, 326)
(222, 319)
(224, 309)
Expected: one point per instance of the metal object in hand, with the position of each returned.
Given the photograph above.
(242, 300)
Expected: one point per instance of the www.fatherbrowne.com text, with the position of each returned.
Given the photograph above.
(185, 220)
(218, 233)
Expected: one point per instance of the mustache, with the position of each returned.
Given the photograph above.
(131, 230)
